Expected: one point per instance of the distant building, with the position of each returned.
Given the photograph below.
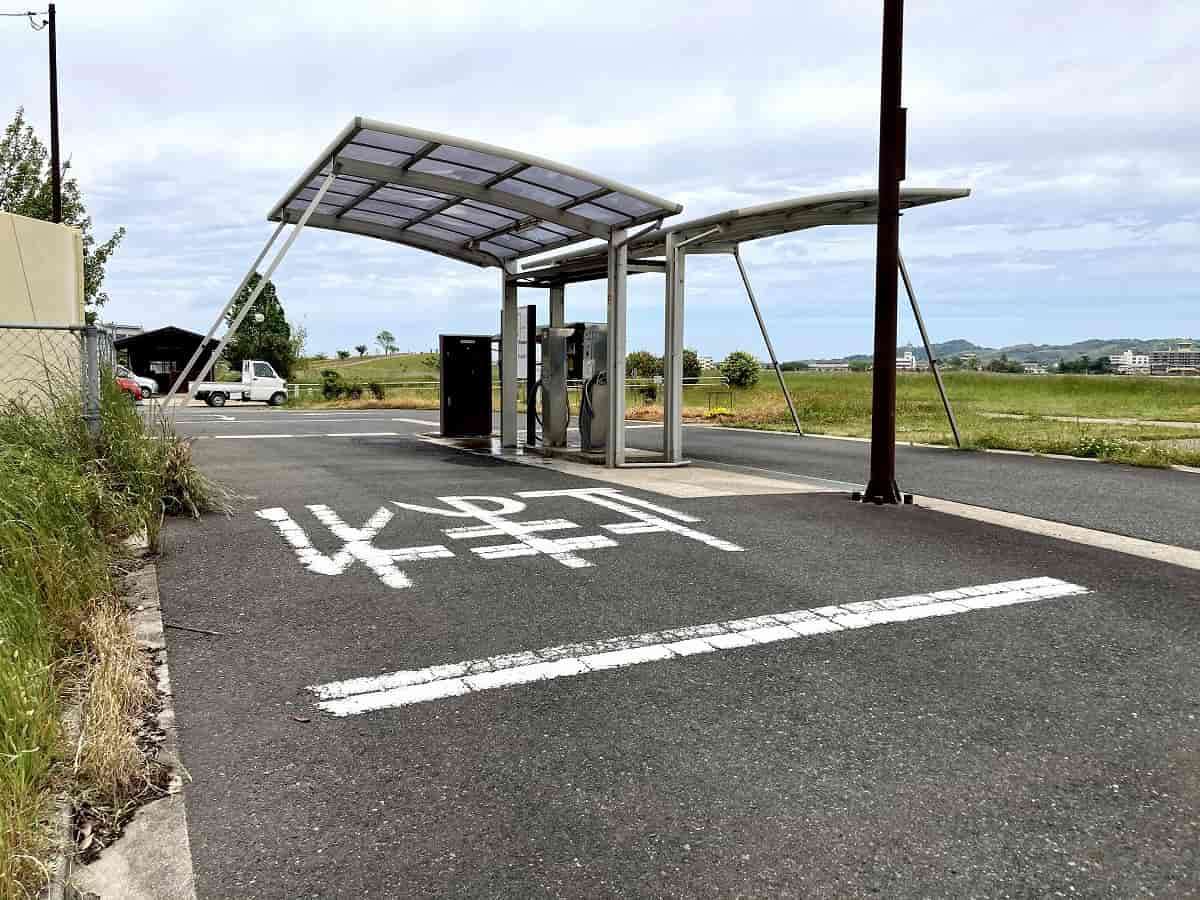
(163, 353)
(1033, 368)
(1130, 363)
(907, 362)
(829, 367)
(1182, 359)
(706, 362)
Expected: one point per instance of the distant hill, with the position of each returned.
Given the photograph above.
(1042, 353)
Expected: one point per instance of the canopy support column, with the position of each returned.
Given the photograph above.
(762, 326)
(933, 361)
(558, 305)
(618, 269)
(673, 353)
(223, 313)
(262, 283)
(508, 357)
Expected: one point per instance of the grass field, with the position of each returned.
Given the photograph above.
(397, 367)
(840, 403)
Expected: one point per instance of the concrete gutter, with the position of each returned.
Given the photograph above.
(152, 860)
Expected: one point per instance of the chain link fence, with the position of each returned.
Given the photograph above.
(42, 364)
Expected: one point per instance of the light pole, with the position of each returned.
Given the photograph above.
(55, 163)
(55, 167)
(882, 487)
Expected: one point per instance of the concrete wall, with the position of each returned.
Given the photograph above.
(41, 282)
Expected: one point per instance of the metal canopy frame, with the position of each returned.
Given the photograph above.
(724, 233)
(473, 202)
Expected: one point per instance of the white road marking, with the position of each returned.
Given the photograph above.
(1106, 540)
(314, 434)
(416, 421)
(367, 694)
(495, 517)
(610, 498)
(526, 533)
(357, 544)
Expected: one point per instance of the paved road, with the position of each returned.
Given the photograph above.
(1027, 750)
(1153, 504)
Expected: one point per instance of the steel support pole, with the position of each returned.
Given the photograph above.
(762, 326)
(530, 373)
(882, 486)
(508, 358)
(224, 312)
(933, 361)
(262, 283)
(618, 268)
(55, 153)
(673, 353)
(558, 305)
(91, 364)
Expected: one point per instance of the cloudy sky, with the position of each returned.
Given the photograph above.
(1075, 123)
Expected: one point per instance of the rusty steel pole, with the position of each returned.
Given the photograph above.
(882, 487)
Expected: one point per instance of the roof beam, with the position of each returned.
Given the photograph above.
(396, 236)
(372, 188)
(397, 175)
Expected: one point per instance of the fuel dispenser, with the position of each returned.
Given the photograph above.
(576, 352)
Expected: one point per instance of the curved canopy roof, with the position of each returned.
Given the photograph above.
(722, 232)
(458, 198)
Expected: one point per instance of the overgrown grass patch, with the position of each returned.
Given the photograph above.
(66, 501)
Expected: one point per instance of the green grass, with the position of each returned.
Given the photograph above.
(65, 502)
(841, 404)
(397, 367)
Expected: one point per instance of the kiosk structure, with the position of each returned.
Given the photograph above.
(494, 207)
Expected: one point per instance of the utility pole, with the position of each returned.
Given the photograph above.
(882, 487)
(55, 165)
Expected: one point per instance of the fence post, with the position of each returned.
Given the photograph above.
(91, 383)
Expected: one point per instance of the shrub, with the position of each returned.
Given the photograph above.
(343, 354)
(332, 386)
(376, 389)
(740, 369)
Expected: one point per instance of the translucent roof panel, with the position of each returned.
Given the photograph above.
(470, 201)
(722, 232)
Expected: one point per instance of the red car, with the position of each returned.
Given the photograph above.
(130, 387)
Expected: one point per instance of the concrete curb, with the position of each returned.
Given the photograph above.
(152, 860)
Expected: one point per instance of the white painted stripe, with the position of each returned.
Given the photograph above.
(360, 695)
(415, 421)
(254, 437)
(1105, 540)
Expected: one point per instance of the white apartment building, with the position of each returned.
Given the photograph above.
(1129, 363)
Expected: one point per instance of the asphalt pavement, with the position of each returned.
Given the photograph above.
(996, 748)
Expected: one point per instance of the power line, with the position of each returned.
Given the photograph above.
(28, 14)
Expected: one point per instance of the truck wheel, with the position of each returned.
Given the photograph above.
(216, 399)
(277, 399)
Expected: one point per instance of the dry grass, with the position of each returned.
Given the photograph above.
(117, 690)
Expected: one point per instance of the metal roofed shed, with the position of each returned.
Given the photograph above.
(470, 201)
(665, 249)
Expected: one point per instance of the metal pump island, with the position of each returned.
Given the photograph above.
(494, 207)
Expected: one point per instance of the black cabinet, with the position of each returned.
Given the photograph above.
(466, 374)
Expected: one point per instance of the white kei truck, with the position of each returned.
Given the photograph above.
(259, 383)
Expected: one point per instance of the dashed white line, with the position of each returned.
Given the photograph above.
(395, 689)
(314, 434)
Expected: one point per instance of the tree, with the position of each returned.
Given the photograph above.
(270, 340)
(26, 189)
(1003, 364)
(740, 369)
(643, 364)
(386, 341)
(343, 354)
(361, 348)
(691, 364)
